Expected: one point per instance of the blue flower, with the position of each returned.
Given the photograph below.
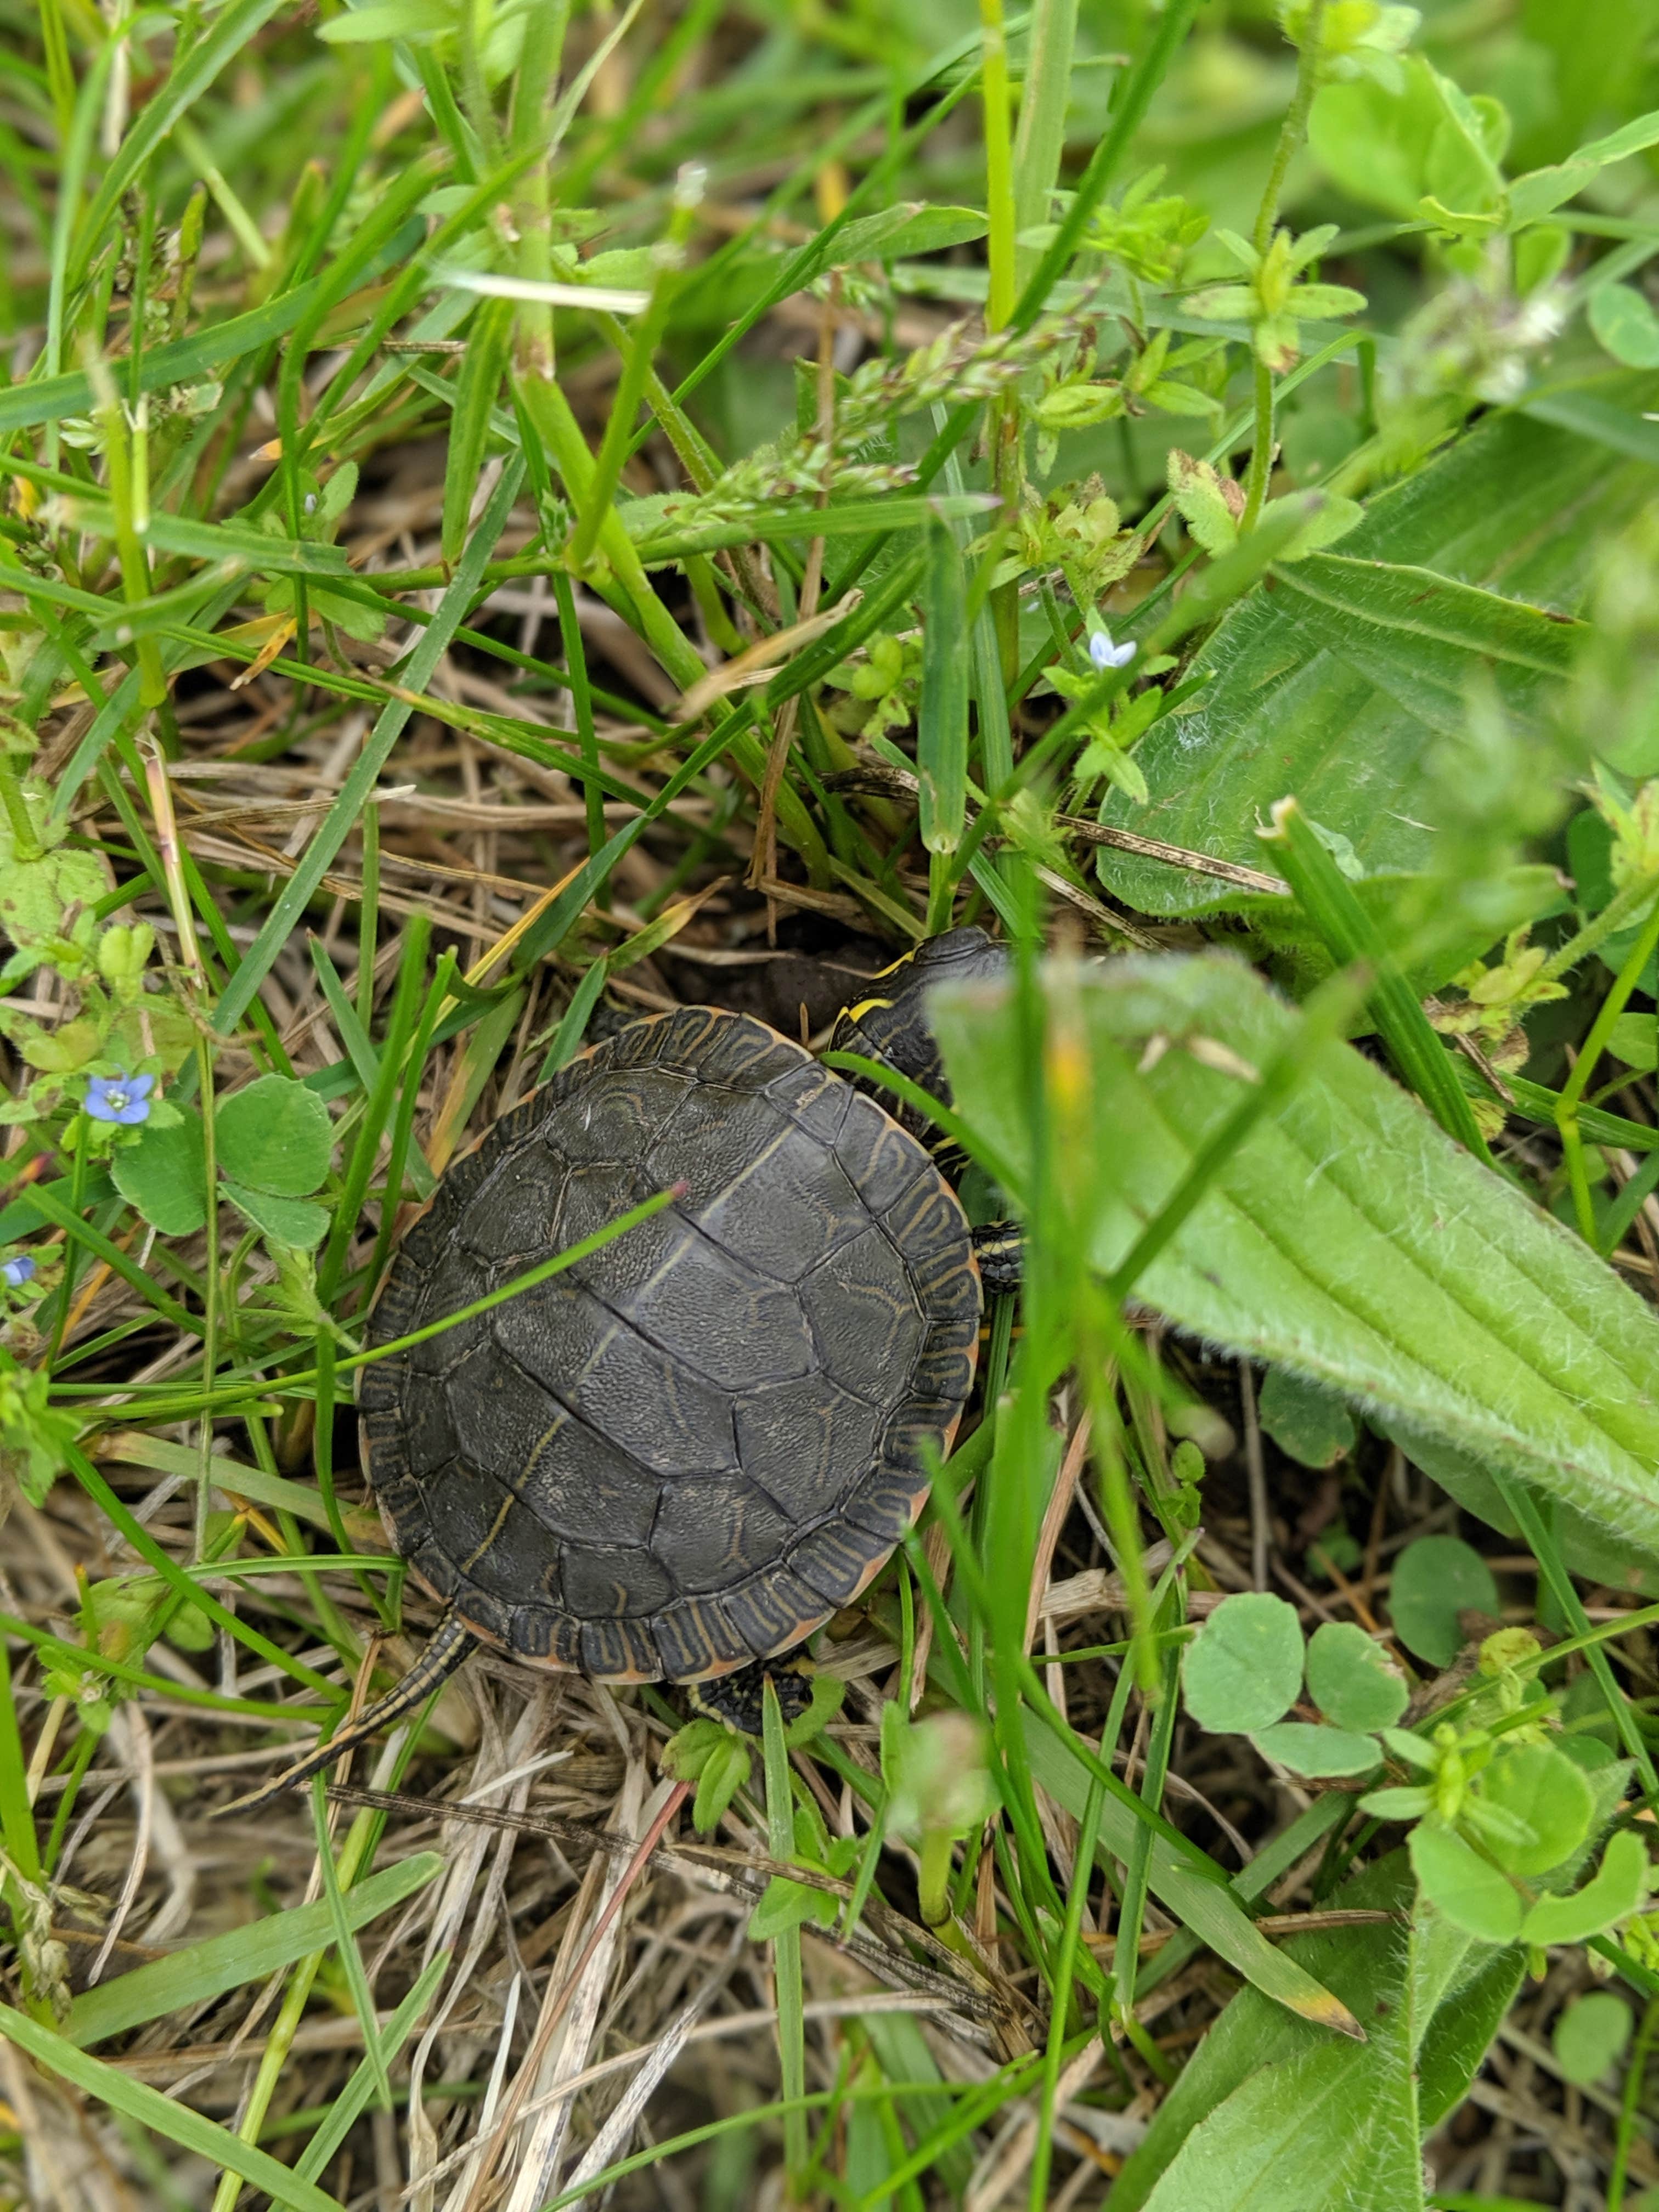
(16, 1271)
(1104, 654)
(123, 1098)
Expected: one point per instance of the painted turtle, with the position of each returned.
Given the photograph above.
(676, 1459)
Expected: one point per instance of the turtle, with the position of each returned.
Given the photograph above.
(676, 1460)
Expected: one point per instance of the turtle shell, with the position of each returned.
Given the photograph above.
(684, 1452)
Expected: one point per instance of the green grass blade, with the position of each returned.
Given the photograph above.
(164, 2116)
(206, 1970)
(336, 826)
(353, 2099)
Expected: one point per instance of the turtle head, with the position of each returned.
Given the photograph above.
(888, 1021)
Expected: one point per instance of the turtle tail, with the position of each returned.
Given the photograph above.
(450, 1643)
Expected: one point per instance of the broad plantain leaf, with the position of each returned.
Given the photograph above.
(1345, 1236)
(1335, 679)
(1269, 2112)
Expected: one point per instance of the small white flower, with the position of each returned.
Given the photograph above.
(1104, 654)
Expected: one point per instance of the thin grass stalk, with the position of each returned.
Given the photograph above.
(1522, 1507)
(1040, 141)
(279, 2044)
(1291, 133)
(1328, 899)
(1567, 1109)
(162, 1563)
(402, 1125)
(1059, 1997)
(1160, 1738)
(785, 1946)
(235, 1393)
(125, 502)
(86, 1659)
(23, 1846)
(353, 2099)
(942, 720)
(1003, 416)
(1630, 2104)
(369, 916)
(581, 700)
(378, 1107)
(1325, 1016)
(643, 340)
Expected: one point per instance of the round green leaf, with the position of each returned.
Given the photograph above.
(1243, 1668)
(1312, 1424)
(1461, 1886)
(1612, 1894)
(1351, 1679)
(1316, 1752)
(1589, 2037)
(274, 1136)
(1538, 1786)
(288, 1221)
(1634, 1038)
(1435, 1579)
(164, 1175)
(1625, 325)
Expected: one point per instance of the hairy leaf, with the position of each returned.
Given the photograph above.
(1345, 1236)
(1269, 2112)
(1334, 679)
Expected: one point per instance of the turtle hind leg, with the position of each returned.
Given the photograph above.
(450, 1642)
(1000, 1249)
(740, 1698)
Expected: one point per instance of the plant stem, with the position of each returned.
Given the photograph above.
(933, 1879)
(1290, 137)
(1623, 907)
(1566, 1106)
